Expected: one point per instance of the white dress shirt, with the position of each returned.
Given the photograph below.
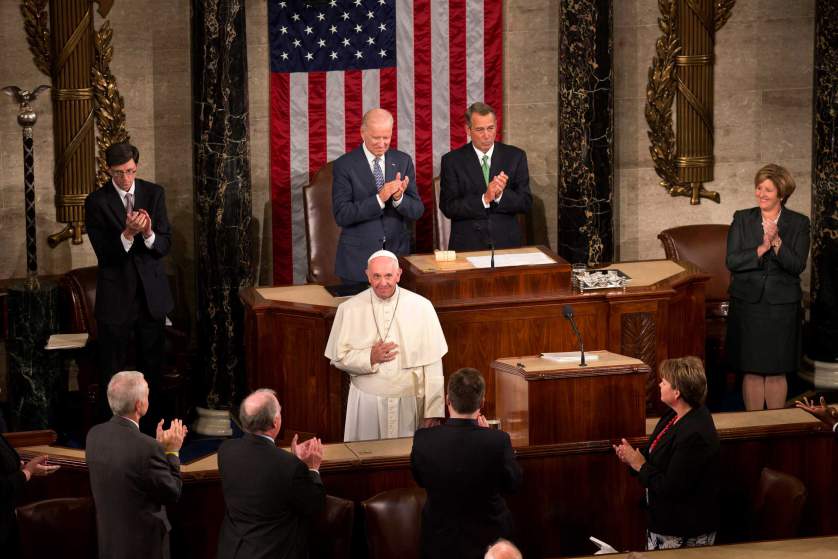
(128, 243)
(488, 154)
(371, 160)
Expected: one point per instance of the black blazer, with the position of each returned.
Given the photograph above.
(365, 227)
(122, 273)
(682, 476)
(464, 468)
(270, 498)
(461, 197)
(776, 275)
(12, 480)
(132, 480)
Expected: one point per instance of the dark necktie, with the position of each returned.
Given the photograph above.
(377, 174)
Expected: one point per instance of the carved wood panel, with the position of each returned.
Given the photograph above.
(638, 339)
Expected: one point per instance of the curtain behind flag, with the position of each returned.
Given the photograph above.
(424, 61)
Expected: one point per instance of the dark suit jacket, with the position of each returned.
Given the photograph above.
(132, 480)
(461, 197)
(464, 469)
(12, 480)
(777, 275)
(122, 273)
(270, 497)
(365, 227)
(682, 476)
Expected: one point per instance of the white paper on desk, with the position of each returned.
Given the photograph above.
(67, 341)
(569, 357)
(505, 260)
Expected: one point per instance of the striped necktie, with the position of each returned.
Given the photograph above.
(377, 174)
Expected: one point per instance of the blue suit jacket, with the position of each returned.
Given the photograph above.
(366, 227)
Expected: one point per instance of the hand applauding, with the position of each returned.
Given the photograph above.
(395, 188)
(172, 438)
(310, 452)
(37, 467)
(827, 414)
(629, 455)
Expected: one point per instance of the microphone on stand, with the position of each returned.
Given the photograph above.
(489, 240)
(567, 312)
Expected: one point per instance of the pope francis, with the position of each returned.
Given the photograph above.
(390, 342)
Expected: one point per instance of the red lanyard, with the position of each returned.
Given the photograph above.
(663, 431)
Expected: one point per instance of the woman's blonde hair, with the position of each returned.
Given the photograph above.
(781, 178)
(686, 374)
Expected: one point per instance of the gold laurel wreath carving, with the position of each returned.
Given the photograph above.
(660, 93)
(110, 105)
(36, 25)
(723, 10)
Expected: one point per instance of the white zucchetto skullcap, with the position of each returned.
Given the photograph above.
(385, 253)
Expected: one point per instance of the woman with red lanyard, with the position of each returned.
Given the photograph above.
(680, 466)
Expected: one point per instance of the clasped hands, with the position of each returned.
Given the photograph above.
(171, 439)
(394, 189)
(770, 237)
(495, 187)
(310, 452)
(629, 455)
(37, 467)
(137, 222)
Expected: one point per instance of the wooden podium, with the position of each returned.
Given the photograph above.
(542, 401)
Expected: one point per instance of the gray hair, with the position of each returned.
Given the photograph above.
(262, 418)
(377, 113)
(125, 389)
(503, 549)
(480, 108)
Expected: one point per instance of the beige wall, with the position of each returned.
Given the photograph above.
(763, 114)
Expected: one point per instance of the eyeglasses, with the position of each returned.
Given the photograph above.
(123, 174)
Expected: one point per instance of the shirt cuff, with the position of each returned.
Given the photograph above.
(397, 202)
(497, 200)
(149, 241)
(483, 201)
(380, 203)
(835, 428)
(126, 243)
(26, 475)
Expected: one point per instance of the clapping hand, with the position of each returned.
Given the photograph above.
(38, 466)
(146, 230)
(629, 455)
(482, 421)
(495, 187)
(172, 438)
(310, 452)
(395, 188)
(827, 414)
(136, 222)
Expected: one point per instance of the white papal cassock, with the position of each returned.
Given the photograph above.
(389, 400)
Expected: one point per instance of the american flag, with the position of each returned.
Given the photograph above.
(424, 61)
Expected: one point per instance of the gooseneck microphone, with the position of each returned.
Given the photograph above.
(567, 312)
(489, 240)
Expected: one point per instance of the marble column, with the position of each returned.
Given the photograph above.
(34, 373)
(222, 194)
(824, 288)
(586, 132)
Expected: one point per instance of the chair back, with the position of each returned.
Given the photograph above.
(394, 523)
(777, 506)
(77, 290)
(322, 232)
(58, 528)
(332, 533)
(705, 246)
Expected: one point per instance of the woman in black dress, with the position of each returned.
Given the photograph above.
(767, 248)
(679, 468)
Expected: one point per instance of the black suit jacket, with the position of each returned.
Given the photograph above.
(132, 480)
(682, 476)
(122, 273)
(365, 227)
(461, 197)
(464, 468)
(270, 498)
(12, 480)
(775, 275)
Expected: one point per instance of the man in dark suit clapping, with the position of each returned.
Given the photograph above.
(374, 198)
(465, 467)
(133, 476)
(270, 494)
(483, 186)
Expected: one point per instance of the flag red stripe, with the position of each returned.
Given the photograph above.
(316, 122)
(281, 178)
(458, 93)
(423, 109)
(353, 103)
(493, 58)
(388, 100)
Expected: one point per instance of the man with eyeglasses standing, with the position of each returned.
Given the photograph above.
(483, 186)
(128, 227)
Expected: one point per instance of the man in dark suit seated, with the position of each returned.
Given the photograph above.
(483, 186)
(374, 198)
(133, 476)
(464, 466)
(129, 230)
(270, 494)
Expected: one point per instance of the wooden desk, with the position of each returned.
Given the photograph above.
(286, 329)
(570, 491)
